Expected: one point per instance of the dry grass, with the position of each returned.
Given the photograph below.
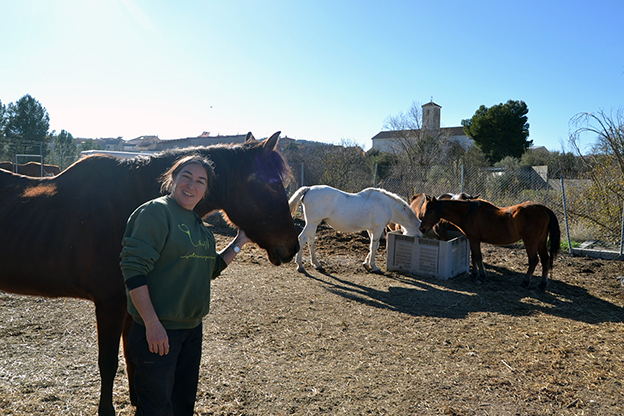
(348, 342)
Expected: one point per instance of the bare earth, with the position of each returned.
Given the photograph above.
(348, 342)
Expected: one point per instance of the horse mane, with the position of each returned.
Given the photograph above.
(389, 194)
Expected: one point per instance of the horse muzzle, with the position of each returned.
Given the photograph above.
(280, 255)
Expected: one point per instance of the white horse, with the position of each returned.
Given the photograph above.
(371, 210)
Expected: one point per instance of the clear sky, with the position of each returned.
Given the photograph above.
(323, 70)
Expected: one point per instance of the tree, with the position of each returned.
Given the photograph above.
(64, 150)
(500, 131)
(559, 163)
(609, 131)
(345, 167)
(418, 149)
(27, 127)
(3, 140)
(601, 202)
(413, 144)
(380, 163)
(89, 144)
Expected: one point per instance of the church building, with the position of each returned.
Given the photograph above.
(385, 141)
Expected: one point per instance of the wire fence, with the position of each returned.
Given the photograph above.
(585, 222)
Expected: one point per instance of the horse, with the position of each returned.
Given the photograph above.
(443, 228)
(370, 209)
(481, 221)
(83, 212)
(32, 169)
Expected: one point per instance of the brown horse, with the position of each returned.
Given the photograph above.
(443, 228)
(32, 169)
(61, 236)
(480, 221)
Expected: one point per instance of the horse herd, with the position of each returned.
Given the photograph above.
(377, 210)
(84, 209)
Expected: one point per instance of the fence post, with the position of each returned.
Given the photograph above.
(302, 181)
(622, 236)
(462, 177)
(375, 178)
(565, 215)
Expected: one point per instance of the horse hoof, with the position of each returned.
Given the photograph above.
(542, 287)
(301, 269)
(524, 284)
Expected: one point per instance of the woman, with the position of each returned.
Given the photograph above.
(168, 260)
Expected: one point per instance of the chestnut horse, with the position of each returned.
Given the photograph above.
(61, 236)
(481, 221)
(442, 228)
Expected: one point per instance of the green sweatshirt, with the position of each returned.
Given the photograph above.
(172, 247)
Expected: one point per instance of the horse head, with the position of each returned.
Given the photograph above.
(255, 199)
(429, 213)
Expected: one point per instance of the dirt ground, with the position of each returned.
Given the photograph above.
(348, 342)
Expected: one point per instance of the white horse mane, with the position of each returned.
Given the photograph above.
(393, 196)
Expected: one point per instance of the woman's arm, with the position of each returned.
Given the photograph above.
(155, 332)
(229, 253)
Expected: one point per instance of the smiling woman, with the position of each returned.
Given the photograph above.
(168, 259)
(188, 180)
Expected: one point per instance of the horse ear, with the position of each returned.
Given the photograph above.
(249, 138)
(271, 142)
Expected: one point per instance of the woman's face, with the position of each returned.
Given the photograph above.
(189, 186)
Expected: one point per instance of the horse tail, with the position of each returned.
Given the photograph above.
(555, 236)
(296, 199)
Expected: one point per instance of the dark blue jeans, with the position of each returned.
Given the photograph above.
(166, 385)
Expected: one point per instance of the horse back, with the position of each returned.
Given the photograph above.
(60, 233)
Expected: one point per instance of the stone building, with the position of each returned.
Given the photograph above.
(385, 141)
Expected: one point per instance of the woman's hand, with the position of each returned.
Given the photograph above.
(156, 334)
(157, 338)
(238, 242)
(241, 238)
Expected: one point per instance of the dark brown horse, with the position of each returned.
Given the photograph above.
(480, 221)
(32, 169)
(61, 236)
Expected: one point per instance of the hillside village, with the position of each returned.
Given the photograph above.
(382, 141)
(152, 144)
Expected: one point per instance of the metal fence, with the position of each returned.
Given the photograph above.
(585, 222)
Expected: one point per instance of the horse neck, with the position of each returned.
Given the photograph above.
(227, 168)
(454, 211)
(402, 213)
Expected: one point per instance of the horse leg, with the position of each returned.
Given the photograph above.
(313, 259)
(130, 366)
(369, 262)
(307, 236)
(533, 260)
(299, 259)
(110, 314)
(478, 269)
(545, 260)
(303, 239)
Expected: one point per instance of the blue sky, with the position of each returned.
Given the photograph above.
(329, 71)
